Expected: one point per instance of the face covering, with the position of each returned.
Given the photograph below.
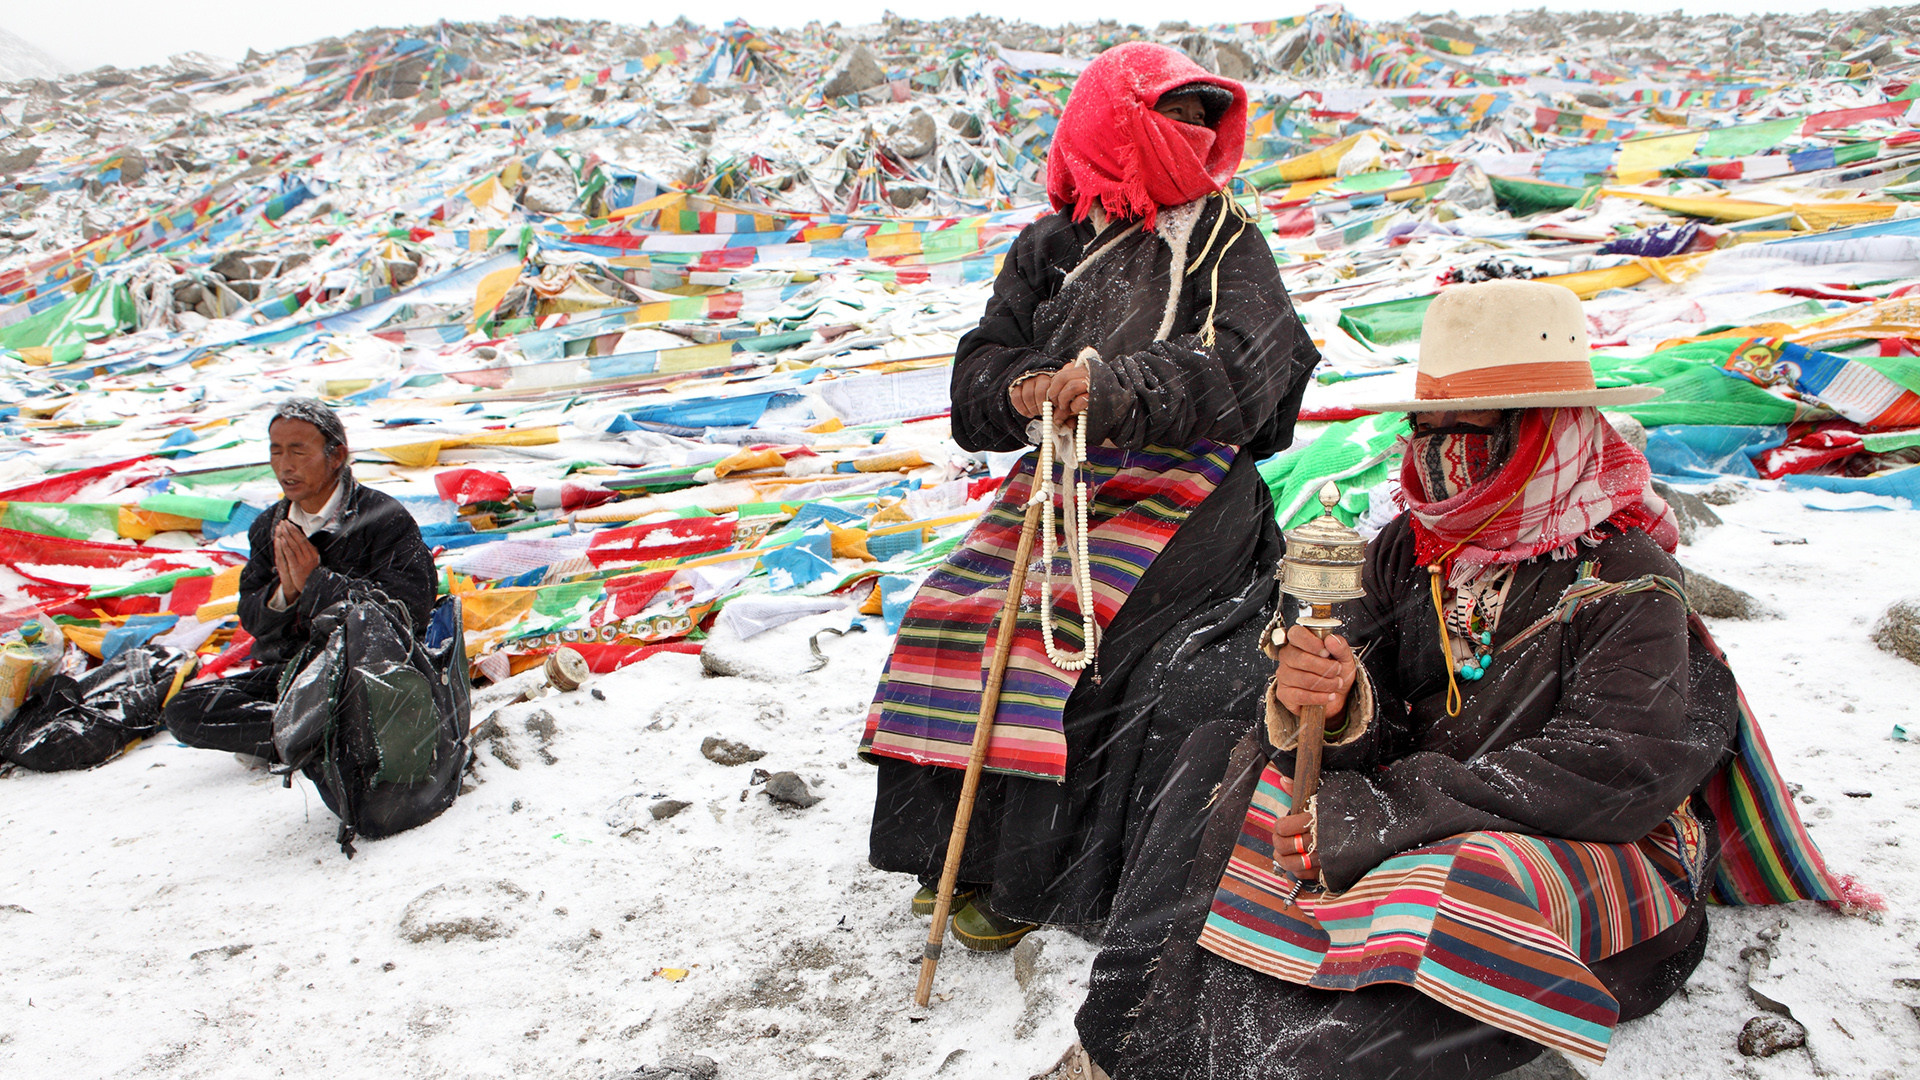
(1451, 459)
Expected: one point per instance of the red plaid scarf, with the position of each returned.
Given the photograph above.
(1572, 473)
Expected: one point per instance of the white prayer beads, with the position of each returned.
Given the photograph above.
(1076, 508)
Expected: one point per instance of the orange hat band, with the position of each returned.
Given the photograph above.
(1571, 376)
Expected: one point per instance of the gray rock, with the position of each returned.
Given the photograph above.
(914, 137)
(1690, 511)
(967, 124)
(857, 69)
(243, 266)
(675, 1067)
(1232, 61)
(19, 160)
(788, 788)
(1898, 631)
(667, 808)
(541, 726)
(133, 165)
(1026, 960)
(1724, 493)
(493, 735)
(906, 196)
(726, 752)
(1765, 1036)
(1716, 601)
(1630, 429)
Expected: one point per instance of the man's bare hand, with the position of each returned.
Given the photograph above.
(1314, 672)
(295, 557)
(1029, 392)
(1292, 846)
(1069, 390)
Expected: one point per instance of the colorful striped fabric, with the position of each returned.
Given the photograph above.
(929, 695)
(1766, 856)
(1498, 926)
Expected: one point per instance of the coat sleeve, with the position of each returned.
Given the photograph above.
(1617, 755)
(1177, 391)
(1000, 349)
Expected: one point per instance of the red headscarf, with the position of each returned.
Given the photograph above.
(1112, 148)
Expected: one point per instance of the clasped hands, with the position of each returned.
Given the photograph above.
(295, 557)
(1067, 388)
(1310, 671)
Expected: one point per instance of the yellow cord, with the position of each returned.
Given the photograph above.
(1434, 569)
(1234, 209)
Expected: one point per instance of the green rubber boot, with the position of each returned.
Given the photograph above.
(923, 900)
(983, 931)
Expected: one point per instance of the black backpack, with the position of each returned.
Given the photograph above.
(376, 717)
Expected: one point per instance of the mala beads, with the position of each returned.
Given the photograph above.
(1076, 508)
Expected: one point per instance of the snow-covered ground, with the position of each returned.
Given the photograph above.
(174, 914)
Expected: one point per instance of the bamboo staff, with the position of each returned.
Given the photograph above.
(976, 760)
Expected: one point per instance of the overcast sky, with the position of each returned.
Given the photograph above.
(129, 33)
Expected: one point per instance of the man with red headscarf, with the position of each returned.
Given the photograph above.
(1150, 304)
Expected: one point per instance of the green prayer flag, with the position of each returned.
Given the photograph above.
(1523, 197)
(1387, 323)
(1357, 454)
(202, 507)
(162, 584)
(71, 521)
(98, 313)
(1904, 370)
(1744, 139)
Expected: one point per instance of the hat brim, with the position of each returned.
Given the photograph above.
(1617, 395)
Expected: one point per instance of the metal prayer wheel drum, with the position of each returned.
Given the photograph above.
(1323, 563)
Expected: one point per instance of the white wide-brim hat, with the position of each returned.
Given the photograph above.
(1507, 345)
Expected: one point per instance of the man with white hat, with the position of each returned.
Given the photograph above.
(1529, 751)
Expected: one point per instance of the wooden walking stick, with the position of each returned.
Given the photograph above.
(977, 759)
(1322, 567)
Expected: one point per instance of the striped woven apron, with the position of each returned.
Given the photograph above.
(928, 700)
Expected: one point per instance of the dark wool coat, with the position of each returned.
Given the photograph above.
(375, 541)
(1183, 648)
(1591, 730)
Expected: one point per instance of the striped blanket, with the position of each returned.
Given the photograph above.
(929, 695)
(1502, 926)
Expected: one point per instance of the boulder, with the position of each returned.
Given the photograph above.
(914, 137)
(1690, 511)
(727, 752)
(787, 788)
(1765, 1036)
(1630, 429)
(857, 69)
(1232, 61)
(1898, 630)
(1716, 601)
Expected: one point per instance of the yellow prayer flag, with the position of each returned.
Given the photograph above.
(1641, 160)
